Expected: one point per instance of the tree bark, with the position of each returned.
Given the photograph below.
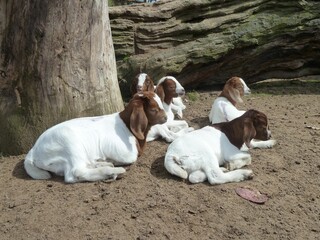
(58, 63)
(203, 43)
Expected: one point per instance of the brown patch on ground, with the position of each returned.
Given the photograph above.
(149, 203)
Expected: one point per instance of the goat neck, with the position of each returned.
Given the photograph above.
(233, 130)
(225, 93)
(125, 116)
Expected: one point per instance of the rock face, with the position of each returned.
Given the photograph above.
(203, 42)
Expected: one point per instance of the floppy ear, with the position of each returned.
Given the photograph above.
(160, 92)
(138, 122)
(235, 95)
(249, 132)
(151, 86)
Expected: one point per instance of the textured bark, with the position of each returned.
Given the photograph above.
(204, 42)
(59, 63)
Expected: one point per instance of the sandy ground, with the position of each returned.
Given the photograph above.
(149, 203)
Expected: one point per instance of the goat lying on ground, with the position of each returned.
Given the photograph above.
(86, 149)
(224, 107)
(143, 82)
(168, 88)
(199, 154)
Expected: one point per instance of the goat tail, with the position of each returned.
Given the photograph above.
(32, 170)
(172, 164)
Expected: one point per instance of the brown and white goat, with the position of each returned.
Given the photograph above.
(167, 89)
(86, 149)
(200, 155)
(224, 106)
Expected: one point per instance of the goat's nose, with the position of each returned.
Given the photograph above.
(139, 88)
(269, 134)
(165, 118)
(182, 92)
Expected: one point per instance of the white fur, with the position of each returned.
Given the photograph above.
(200, 155)
(74, 148)
(223, 111)
(141, 79)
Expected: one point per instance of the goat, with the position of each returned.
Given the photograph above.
(168, 88)
(86, 149)
(224, 107)
(199, 155)
(143, 82)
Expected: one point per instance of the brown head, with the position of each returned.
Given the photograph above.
(168, 88)
(142, 82)
(144, 110)
(234, 89)
(252, 124)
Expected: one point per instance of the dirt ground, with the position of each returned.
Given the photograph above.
(149, 203)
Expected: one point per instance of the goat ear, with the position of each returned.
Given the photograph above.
(249, 132)
(160, 92)
(235, 95)
(138, 122)
(150, 87)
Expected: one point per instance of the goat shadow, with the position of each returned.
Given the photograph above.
(20, 173)
(159, 171)
(200, 122)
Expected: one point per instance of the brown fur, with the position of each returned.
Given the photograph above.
(233, 90)
(147, 86)
(140, 114)
(252, 124)
(167, 91)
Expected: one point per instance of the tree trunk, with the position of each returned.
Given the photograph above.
(203, 42)
(58, 63)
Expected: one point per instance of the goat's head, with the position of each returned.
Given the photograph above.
(252, 124)
(167, 88)
(234, 89)
(142, 82)
(255, 126)
(144, 110)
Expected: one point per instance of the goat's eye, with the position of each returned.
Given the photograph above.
(154, 110)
